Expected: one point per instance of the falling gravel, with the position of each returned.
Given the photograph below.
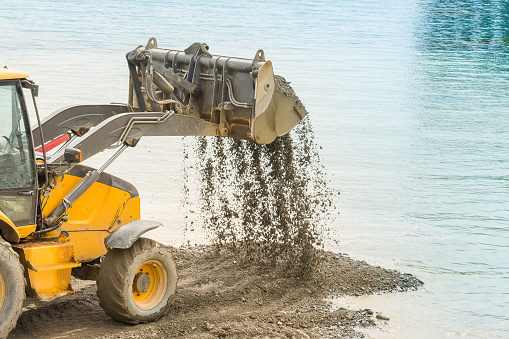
(269, 203)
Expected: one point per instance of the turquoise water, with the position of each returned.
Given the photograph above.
(408, 100)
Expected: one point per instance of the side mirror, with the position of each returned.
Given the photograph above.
(72, 155)
(35, 90)
(30, 84)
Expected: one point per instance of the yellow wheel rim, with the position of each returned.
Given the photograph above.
(149, 284)
(2, 291)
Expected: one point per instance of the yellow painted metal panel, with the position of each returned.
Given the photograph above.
(48, 266)
(93, 216)
(7, 74)
(97, 209)
(25, 231)
(9, 231)
(88, 245)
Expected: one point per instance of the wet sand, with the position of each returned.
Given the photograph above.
(221, 296)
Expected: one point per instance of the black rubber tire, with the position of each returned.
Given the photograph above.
(117, 274)
(13, 288)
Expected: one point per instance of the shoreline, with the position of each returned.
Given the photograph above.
(219, 296)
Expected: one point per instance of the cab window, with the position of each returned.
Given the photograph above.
(17, 171)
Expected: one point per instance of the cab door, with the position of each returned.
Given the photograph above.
(18, 181)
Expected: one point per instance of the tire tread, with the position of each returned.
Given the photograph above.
(111, 280)
(8, 323)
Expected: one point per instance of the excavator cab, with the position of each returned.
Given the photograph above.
(18, 182)
(18, 200)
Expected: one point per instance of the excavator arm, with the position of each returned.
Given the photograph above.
(128, 128)
(174, 93)
(181, 93)
(78, 120)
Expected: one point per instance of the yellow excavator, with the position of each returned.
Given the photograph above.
(60, 218)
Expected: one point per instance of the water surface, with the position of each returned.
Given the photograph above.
(408, 100)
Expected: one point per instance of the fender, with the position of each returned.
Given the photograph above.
(9, 231)
(126, 235)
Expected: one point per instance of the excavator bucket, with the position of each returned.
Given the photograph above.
(239, 98)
